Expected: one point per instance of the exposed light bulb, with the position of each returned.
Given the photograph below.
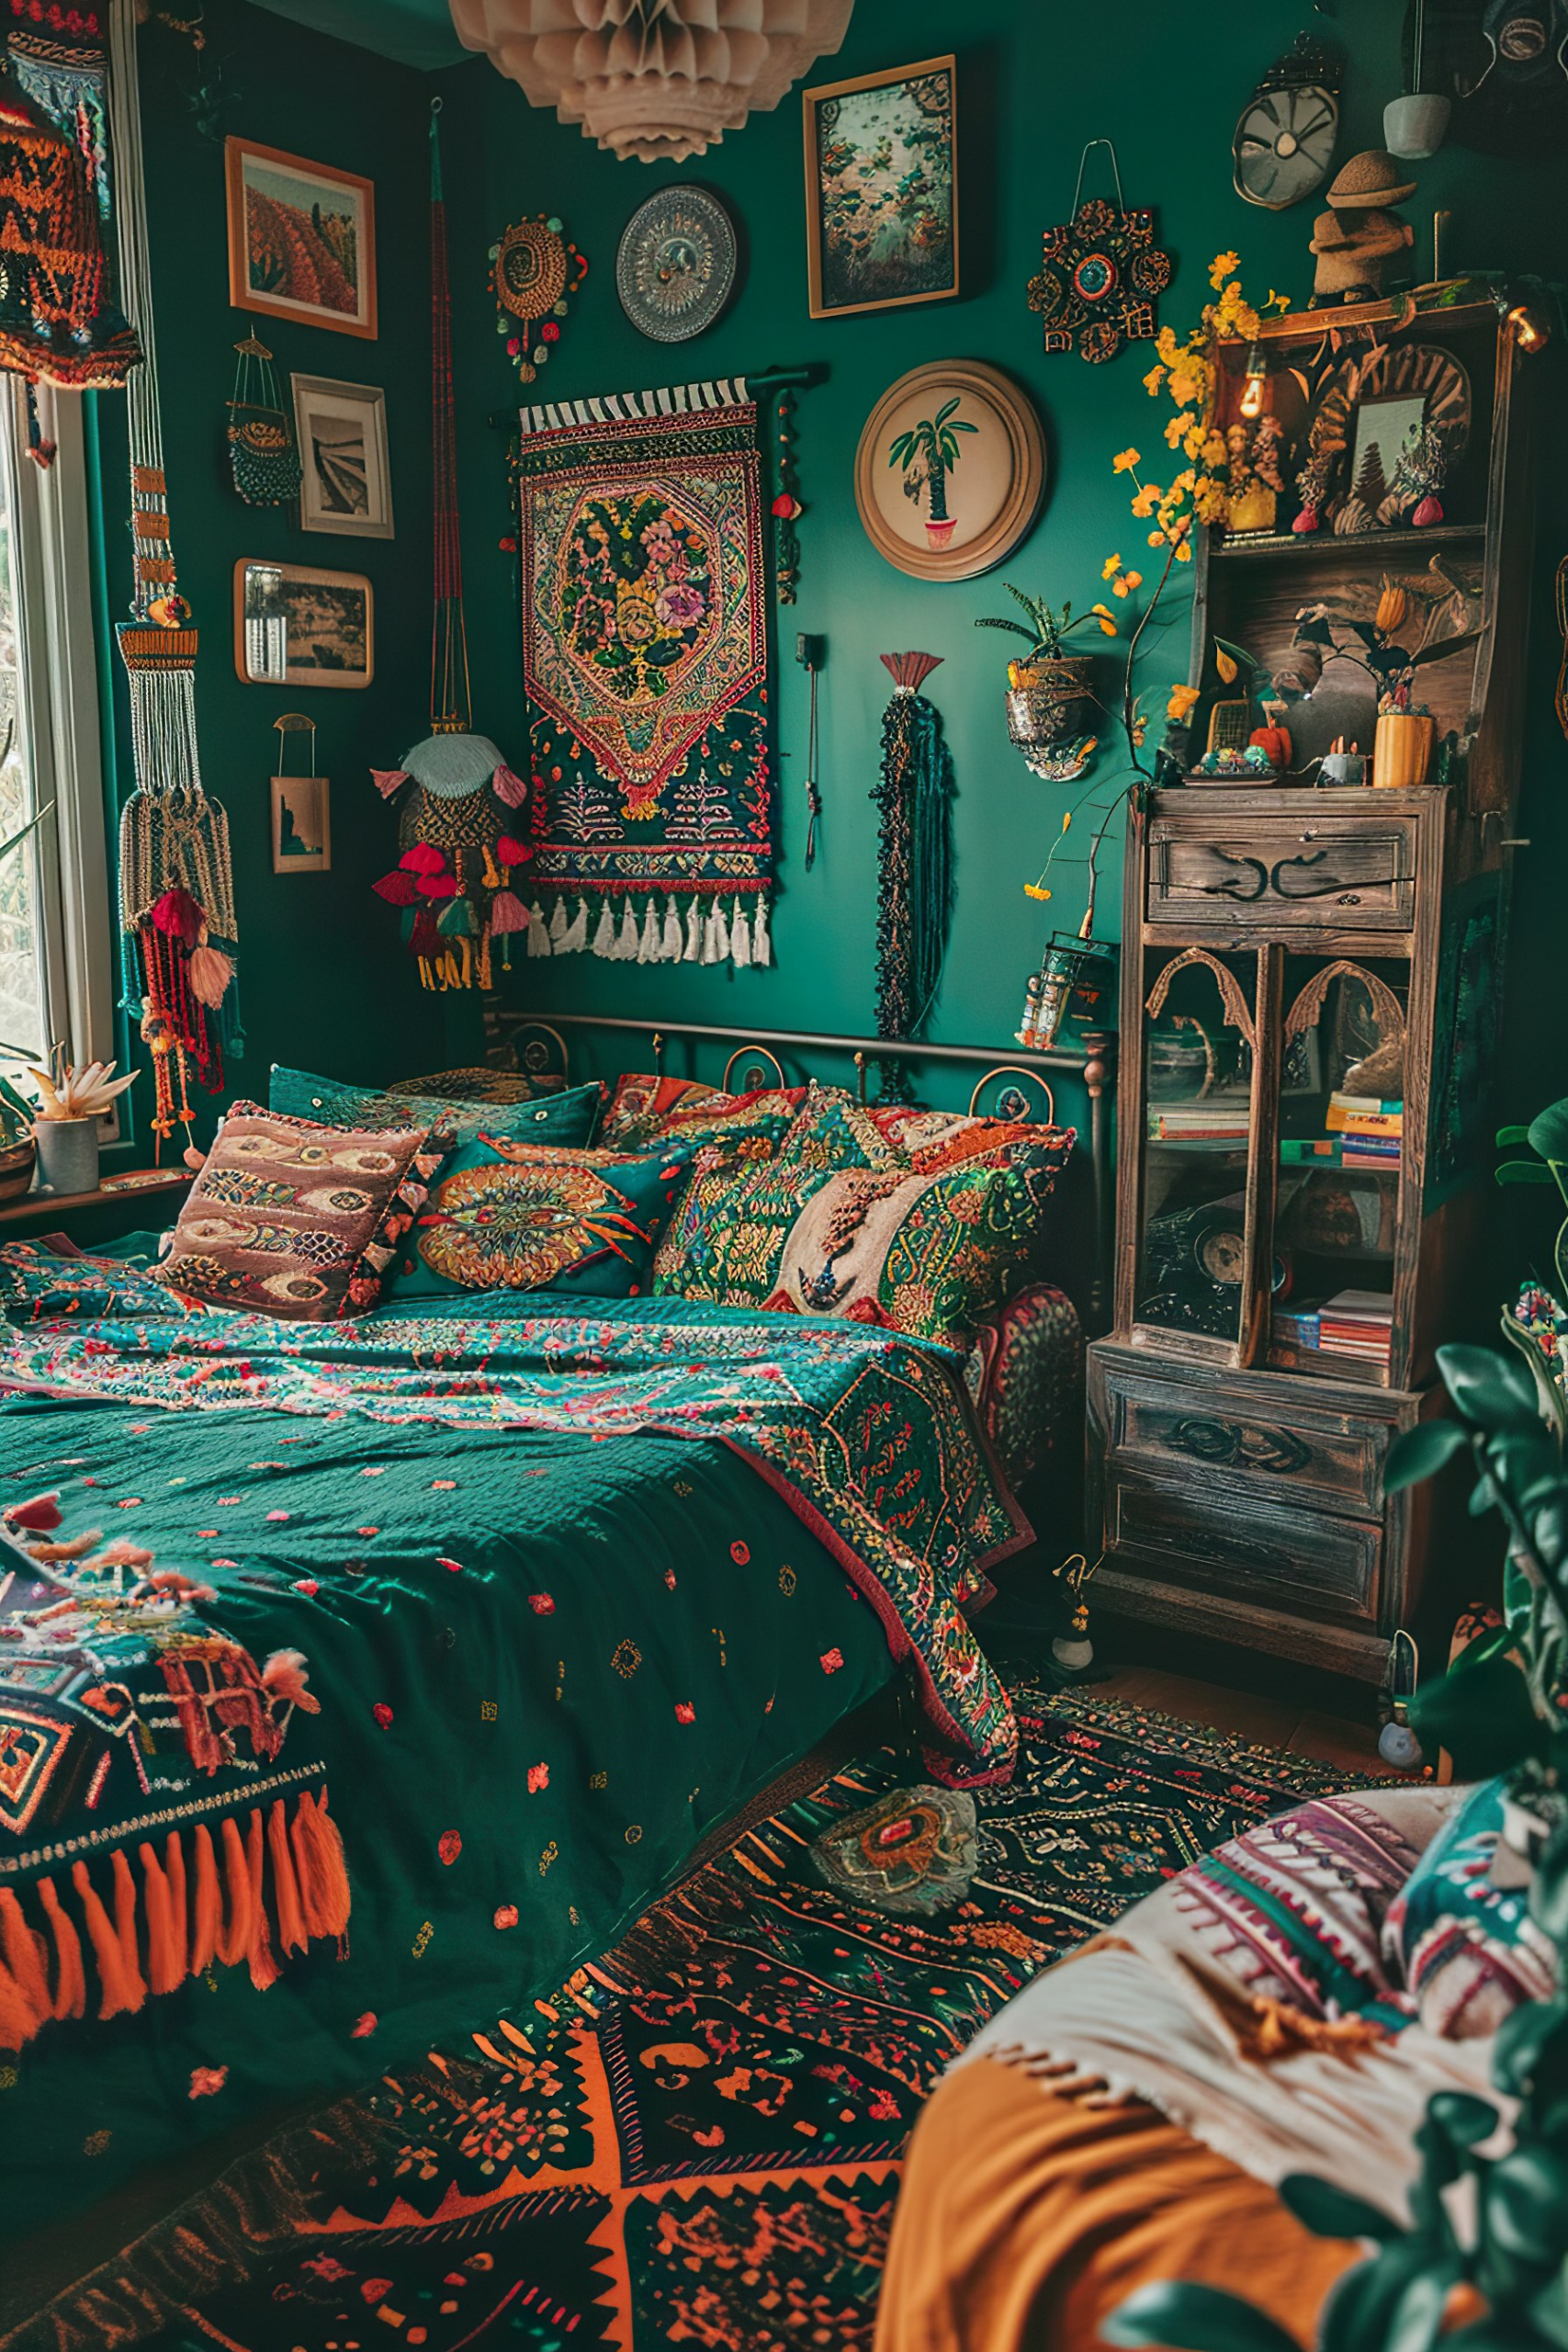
(1254, 391)
(1532, 332)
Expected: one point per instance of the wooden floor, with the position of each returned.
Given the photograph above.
(1273, 1722)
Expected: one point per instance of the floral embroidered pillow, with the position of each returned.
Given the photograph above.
(508, 1216)
(295, 1219)
(644, 1112)
(932, 1255)
(564, 1118)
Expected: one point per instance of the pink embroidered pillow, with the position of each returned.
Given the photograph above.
(294, 1220)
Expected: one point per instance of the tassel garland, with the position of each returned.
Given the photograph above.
(713, 931)
(108, 1941)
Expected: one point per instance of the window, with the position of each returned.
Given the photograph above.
(56, 936)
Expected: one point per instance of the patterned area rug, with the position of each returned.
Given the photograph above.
(698, 2141)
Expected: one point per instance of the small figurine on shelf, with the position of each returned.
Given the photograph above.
(1357, 237)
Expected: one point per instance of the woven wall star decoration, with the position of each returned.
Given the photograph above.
(1101, 274)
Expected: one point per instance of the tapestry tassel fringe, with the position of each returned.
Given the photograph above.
(713, 931)
(255, 1897)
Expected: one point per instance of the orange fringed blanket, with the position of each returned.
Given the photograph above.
(142, 1772)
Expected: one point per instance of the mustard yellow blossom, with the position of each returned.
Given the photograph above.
(1181, 701)
(1153, 381)
(1124, 460)
(1113, 563)
(1174, 429)
(1145, 502)
(1126, 582)
(1184, 552)
(1221, 267)
(1033, 890)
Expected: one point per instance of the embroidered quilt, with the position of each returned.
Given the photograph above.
(645, 659)
(549, 1648)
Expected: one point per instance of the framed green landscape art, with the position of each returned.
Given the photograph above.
(882, 189)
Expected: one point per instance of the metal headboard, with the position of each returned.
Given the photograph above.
(1094, 1067)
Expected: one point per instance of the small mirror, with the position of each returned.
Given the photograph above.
(263, 625)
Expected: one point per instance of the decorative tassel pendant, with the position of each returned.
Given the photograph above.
(740, 939)
(670, 953)
(575, 942)
(693, 933)
(557, 927)
(720, 931)
(761, 945)
(628, 943)
(647, 946)
(604, 932)
(539, 931)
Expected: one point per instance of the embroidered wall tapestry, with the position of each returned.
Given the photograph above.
(645, 659)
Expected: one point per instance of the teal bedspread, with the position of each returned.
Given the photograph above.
(554, 1593)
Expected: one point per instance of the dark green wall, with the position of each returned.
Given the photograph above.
(1034, 83)
(324, 981)
(319, 978)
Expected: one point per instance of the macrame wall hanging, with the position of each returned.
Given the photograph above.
(179, 933)
(453, 881)
(913, 856)
(264, 455)
(535, 271)
(1102, 274)
(57, 320)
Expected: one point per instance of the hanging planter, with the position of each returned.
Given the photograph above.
(1046, 707)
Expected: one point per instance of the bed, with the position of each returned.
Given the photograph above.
(412, 1655)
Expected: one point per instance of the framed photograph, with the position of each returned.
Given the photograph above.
(1385, 430)
(347, 483)
(951, 469)
(298, 627)
(301, 825)
(301, 240)
(882, 189)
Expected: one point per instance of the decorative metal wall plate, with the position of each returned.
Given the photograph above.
(1284, 142)
(676, 263)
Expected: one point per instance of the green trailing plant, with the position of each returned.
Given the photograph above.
(17, 1115)
(928, 453)
(1547, 1137)
(1483, 2264)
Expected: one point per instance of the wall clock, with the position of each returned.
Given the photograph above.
(676, 263)
(1284, 142)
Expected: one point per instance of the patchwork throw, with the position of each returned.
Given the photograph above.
(645, 660)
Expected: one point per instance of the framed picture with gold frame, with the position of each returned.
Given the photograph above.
(297, 627)
(301, 239)
(882, 189)
(951, 469)
(301, 825)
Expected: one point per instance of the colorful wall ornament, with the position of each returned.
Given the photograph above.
(1101, 274)
(658, 79)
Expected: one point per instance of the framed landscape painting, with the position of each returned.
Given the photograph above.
(346, 482)
(297, 627)
(882, 189)
(301, 240)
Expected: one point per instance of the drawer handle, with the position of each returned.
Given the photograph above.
(1254, 879)
(1326, 885)
(1241, 1445)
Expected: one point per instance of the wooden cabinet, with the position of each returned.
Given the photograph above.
(1297, 956)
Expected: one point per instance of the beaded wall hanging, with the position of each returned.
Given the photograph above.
(1101, 274)
(786, 509)
(535, 271)
(178, 929)
(264, 455)
(453, 879)
(57, 318)
(914, 888)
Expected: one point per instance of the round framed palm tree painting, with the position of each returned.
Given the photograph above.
(951, 469)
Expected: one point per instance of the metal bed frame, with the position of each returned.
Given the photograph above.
(1094, 1067)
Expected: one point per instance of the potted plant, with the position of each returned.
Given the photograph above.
(65, 1125)
(1048, 687)
(928, 453)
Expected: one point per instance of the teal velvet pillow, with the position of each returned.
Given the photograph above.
(507, 1215)
(566, 1118)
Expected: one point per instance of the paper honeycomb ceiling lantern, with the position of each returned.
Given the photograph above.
(658, 79)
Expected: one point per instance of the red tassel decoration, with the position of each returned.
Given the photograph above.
(397, 889)
(178, 916)
(509, 787)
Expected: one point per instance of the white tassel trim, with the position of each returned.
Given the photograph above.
(707, 934)
(693, 933)
(604, 932)
(538, 934)
(761, 945)
(647, 946)
(669, 952)
(740, 939)
(557, 926)
(626, 944)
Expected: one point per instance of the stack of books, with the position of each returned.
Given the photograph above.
(1369, 1133)
(1199, 1122)
(1357, 1323)
(1298, 1326)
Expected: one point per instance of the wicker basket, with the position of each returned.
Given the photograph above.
(16, 1163)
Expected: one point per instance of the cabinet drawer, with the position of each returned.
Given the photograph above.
(1271, 874)
(1247, 1447)
(1270, 1556)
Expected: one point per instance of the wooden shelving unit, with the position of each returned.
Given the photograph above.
(1274, 934)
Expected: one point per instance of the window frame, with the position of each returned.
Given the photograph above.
(59, 690)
